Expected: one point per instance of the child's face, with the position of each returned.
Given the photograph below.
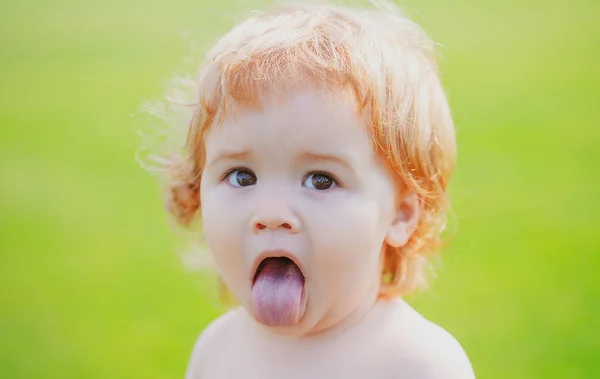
(298, 179)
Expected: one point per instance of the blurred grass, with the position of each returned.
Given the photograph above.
(91, 284)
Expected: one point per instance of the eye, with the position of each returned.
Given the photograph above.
(241, 178)
(320, 181)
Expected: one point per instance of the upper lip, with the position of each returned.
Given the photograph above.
(274, 253)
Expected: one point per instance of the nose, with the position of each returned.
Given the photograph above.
(275, 217)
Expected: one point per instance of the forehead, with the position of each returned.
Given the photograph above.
(304, 120)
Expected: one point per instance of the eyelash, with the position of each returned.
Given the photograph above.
(324, 173)
(228, 172)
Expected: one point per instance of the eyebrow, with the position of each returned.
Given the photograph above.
(307, 156)
(229, 154)
(326, 158)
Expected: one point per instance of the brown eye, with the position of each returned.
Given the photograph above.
(241, 178)
(319, 181)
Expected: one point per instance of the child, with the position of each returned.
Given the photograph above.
(319, 155)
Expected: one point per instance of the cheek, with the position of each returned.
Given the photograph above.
(214, 219)
(222, 216)
(221, 228)
(348, 242)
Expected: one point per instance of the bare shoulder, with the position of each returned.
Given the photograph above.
(418, 349)
(210, 341)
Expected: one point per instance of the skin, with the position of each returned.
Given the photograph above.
(300, 179)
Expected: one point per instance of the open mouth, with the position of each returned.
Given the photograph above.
(283, 263)
(278, 296)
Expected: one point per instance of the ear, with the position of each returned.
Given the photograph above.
(406, 221)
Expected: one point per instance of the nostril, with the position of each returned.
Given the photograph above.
(258, 226)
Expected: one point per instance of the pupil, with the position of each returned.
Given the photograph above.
(244, 178)
(321, 182)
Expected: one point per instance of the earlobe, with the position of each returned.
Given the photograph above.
(405, 222)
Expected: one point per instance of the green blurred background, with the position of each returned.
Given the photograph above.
(91, 285)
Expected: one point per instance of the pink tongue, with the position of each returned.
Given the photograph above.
(277, 293)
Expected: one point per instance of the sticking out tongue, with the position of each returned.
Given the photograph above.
(278, 292)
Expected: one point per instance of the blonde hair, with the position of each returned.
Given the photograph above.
(383, 58)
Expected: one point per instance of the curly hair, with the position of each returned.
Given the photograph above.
(389, 65)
